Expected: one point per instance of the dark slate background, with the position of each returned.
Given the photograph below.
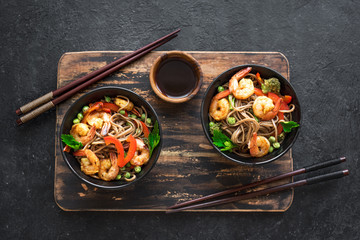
(320, 39)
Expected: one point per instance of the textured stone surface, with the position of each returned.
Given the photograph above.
(320, 39)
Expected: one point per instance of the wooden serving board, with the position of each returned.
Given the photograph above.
(188, 166)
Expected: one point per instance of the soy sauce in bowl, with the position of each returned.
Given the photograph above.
(176, 78)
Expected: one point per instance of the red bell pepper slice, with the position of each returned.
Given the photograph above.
(145, 129)
(79, 153)
(131, 151)
(111, 106)
(66, 148)
(273, 97)
(259, 79)
(287, 99)
(119, 148)
(259, 92)
(222, 94)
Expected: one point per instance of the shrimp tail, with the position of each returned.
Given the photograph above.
(222, 94)
(105, 128)
(242, 73)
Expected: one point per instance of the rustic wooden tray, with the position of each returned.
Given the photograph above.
(188, 166)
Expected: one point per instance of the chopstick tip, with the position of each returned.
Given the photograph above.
(18, 112)
(346, 172)
(19, 122)
(343, 159)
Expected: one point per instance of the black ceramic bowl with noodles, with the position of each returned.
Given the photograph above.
(94, 96)
(286, 89)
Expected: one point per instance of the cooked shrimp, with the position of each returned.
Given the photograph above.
(142, 154)
(259, 146)
(265, 109)
(243, 89)
(124, 104)
(101, 120)
(109, 168)
(82, 133)
(219, 109)
(90, 165)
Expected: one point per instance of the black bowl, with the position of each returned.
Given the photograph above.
(286, 88)
(93, 96)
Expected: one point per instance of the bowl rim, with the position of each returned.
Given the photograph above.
(209, 137)
(116, 187)
(175, 54)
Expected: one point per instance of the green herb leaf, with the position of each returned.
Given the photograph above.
(287, 126)
(107, 99)
(154, 138)
(222, 141)
(71, 142)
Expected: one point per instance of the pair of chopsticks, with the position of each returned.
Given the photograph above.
(324, 177)
(49, 100)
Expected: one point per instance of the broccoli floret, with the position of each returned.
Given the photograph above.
(271, 85)
(214, 126)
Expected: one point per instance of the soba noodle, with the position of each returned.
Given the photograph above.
(246, 123)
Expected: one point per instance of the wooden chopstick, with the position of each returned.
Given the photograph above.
(52, 102)
(310, 168)
(312, 180)
(51, 95)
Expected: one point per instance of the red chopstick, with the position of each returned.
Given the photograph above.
(182, 206)
(77, 85)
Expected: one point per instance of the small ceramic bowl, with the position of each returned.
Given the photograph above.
(164, 60)
(286, 89)
(94, 96)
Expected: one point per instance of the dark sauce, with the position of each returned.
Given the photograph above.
(176, 78)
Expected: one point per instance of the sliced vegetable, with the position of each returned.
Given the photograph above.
(222, 94)
(79, 153)
(231, 120)
(145, 129)
(131, 152)
(287, 99)
(66, 148)
(119, 148)
(111, 106)
(259, 92)
(259, 79)
(287, 126)
(231, 101)
(134, 111)
(71, 142)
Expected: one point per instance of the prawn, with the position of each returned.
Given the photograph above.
(219, 109)
(109, 168)
(101, 120)
(90, 165)
(259, 146)
(123, 104)
(82, 133)
(243, 89)
(265, 109)
(142, 154)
